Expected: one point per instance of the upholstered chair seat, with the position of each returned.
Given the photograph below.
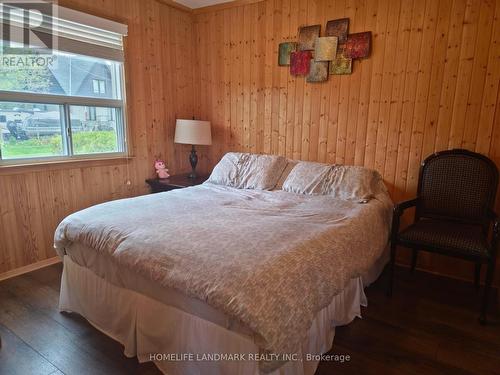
(451, 237)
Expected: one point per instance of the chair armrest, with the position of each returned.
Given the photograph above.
(496, 226)
(400, 207)
(396, 216)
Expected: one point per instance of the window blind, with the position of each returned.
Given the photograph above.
(74, 31)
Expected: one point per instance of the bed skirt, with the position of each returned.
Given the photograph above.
(181, 343)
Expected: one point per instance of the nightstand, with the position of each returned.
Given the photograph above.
(179, 181)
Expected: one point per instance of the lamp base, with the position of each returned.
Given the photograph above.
(193, 160)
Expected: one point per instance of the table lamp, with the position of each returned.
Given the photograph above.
(193, 132)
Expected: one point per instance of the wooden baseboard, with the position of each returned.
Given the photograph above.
(29, 268)
(450, 276)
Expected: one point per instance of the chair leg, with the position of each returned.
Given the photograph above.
(487, 287)
(414, 260)
(477, 275)
(391, 269)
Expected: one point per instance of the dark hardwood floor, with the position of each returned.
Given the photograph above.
(428, 327)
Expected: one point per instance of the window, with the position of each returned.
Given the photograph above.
(99, 86)
(98, 134)
(92, 114)
(102, 87)
(71, 106)
(33, 130)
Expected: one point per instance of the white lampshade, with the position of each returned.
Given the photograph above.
(193, 132)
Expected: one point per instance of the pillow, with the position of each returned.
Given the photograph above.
(354, 183)
(226, 170)
(289, 166)
(340, 181)
(307, 178)
(248, 171)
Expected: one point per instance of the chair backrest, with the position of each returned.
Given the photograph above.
(457, 184)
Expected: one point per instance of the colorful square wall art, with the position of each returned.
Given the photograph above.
(338, 28)
(285, 49)
(307, 37)
(341, 64)
(358, 45)
(325, 48)
(300, 63)
(318, 71)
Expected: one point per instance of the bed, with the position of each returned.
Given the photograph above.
(248, 273)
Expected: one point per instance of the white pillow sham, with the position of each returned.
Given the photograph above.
(248, 171)
(340, 181)
(354, 183)
(307, 178)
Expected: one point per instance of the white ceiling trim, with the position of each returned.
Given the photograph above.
(194, 4)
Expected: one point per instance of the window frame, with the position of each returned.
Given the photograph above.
(66, 102)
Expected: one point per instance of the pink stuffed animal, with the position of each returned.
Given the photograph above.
(161, 169)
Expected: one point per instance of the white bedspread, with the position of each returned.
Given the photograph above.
(271, 260)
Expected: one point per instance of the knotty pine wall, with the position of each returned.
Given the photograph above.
(431, 83)
(159, 51)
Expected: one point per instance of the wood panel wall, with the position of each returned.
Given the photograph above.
(159, 51)
(431, 83)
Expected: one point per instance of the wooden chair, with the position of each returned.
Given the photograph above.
(453, 214)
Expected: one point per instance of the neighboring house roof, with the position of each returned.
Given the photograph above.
(73, 76)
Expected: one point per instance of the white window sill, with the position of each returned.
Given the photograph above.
(26, 165)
